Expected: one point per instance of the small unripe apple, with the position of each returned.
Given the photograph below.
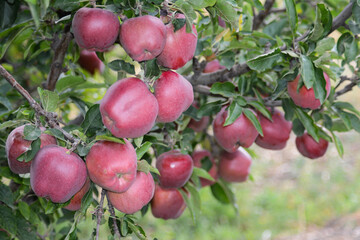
(213, 66)
(89, 61)
(75, 202)
(129, 109)
(174, 95)
(57, 174)
(112, 165)
(276, 132)
(167, 203)
(143, 38)
(137, 196)
(305, 98)
(240, 133)
(234, 167)
(198, 157)
(179, 48)
(95, 29)
(309, 148)
(175, 169)
(17, 145)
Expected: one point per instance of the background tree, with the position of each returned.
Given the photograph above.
(247, 67)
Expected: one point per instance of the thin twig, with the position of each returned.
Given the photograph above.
(99, 213)
(354, 82)
(260, 17)
(112, 212)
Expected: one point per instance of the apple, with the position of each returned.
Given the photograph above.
(174, 95)
(75, 202)
(112, 165)
(276, 132)
(240, 133)
(137, 196)
(213, 66)
(167, 203)
(180, 46)
(309, 148)
(305, 98)
(201, 125)
(95, 29)
(57, 173)
(89, 61)
(129, 109)
(198, 157)
(17, 145)
(234, 167)
(175, 169)
(221, 22)
(143, 38)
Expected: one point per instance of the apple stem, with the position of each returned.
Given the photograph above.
(99, 213)
(112, 212)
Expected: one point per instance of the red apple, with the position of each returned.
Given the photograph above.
(136, 197)
(240, 133)
(143, 38)
(167, 203)
(213, 66)
(234, 167)
(17, 145)
(179, 48)
(89, 61)
(308, 147)
(112, 165)
(221, 22)
(57, 174)
(174, 95)
(75, 202)
(175, 169)
(95, 29)
(276, 132)
(198, 157)
(201, 125)
(305, 98)
(129, 109)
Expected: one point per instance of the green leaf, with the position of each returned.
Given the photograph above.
(227, 10)
(49, 100)
(324, 45)
(189, 204)
(195, 200)
(138, 141)
(226, 89)
(6, 195)
(200, 172)
(298, 127)
(323, 23)
(265, 61)
(8, 220)
(136, 230)
(320, 85)
(110, 139)
(140, 151)
(352, 51)
(92, 121)
(282, 83)
(31, 132)
(8, 36)
(307, 71)
(12, 123)
(338, 144)
(261, 108)
(187, 9)
(68, 82)
(253, 119)
(199, 4)
(24, 210)
(292, 15)
(30, 153)
(87, 200)
(152, 69)
(120, 65)
(66, 5)
(234, 112)
(8, 13)
(178, 23)
(210, 108)
(347, 106)
(308, 123)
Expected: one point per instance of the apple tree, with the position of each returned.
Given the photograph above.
(109, 107)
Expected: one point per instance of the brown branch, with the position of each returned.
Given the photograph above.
(353, 82)
(112, 212)
(260, 17)
(99, 213)
(60, 47)
(342, 17)
(50, 117)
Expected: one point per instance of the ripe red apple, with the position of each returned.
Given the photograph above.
(240, 133)
(57, 173)
(89, 61)
(17, 145)
(95, 29)
(174, 95)
(143, 38)
(129, 109)
(201, 125)
(276, 132)
(234, 167)
(179, 48)
(213, 66)
(167, 203)
(308, 147)
(175, 169)
(305, 98)
(75, 202)
(112, 165)
(198, 157)
(137, 196)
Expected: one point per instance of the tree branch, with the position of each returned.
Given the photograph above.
(260, 17)
(112, 212)
(353, 82)
(99, 213)
(60, 47)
